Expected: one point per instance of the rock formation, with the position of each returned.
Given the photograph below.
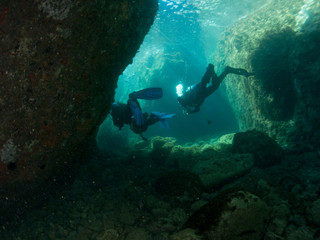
(282, 50)
(231, 215)
(59, 64)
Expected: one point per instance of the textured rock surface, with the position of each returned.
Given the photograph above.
(231, 215)
(222, 168)
(210, 162)
(59, 64)
(264, 149)
(86, 210)
(282, 49)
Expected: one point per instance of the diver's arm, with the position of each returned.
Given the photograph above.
(208, 74)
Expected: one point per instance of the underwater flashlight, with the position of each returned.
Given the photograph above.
(179, 89)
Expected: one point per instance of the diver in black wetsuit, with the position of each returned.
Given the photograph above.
(195, 95)
(131, 113)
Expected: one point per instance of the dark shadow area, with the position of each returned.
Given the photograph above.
(273, 64)
(308, 83)
(286, 64)
(16, 210)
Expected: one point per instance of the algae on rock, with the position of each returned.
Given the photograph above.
(278, 44)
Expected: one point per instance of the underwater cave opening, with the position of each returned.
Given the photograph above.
(158, 189)
(180, 44)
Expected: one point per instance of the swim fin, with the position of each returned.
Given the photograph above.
(136, 111)
(147, 94)
(163, 118)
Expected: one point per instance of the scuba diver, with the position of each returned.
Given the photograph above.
(132, 115)
(195, 95)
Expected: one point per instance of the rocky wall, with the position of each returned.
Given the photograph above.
(279, 43)
(59, 64)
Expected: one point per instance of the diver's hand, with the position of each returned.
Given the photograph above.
(239, 71)
(245, 73)
(250, 74)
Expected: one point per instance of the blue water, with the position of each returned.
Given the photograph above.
(177, 50)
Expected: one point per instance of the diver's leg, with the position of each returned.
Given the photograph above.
(212, 88)
(216, 81)
(208, 74)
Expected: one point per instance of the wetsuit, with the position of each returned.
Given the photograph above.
(195, 95)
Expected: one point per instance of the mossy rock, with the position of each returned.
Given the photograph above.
(219, 168)
(184, 157)
(161, 148)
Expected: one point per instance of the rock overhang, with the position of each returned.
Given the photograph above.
(59, 67)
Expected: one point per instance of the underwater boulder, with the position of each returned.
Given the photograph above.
(59, 65)
(178, 183)
(231, 215)
(183, 157)
(223, 143)
(222, 168)
(264, 149)
(214, 165)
